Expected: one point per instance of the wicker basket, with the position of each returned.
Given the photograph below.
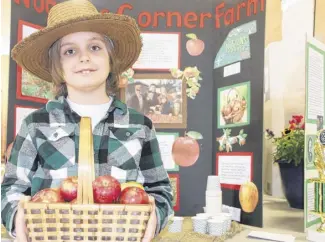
(85, 221)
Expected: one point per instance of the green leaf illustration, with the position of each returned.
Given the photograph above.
(194, 135)
(191, 36)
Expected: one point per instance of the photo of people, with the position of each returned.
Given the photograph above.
(160, 99)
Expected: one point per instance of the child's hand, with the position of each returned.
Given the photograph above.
(152, 223)
(20, 225)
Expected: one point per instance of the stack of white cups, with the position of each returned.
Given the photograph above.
(176, 225)
(216, 226)
(213, 196)
(222, 220)
(199, 224)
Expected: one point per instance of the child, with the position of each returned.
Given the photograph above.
(83, 52)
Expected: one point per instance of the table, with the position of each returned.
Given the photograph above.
(188, 235)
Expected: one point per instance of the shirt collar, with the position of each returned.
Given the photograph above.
(62, 104)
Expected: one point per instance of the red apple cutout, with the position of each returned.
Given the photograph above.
(69, 188)
(106, 189)
(48, 195)
(194, 45)
(186, 150)
(134, 195)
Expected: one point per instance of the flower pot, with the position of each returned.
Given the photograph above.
(293, 183)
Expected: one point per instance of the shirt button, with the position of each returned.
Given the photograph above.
(55, 135)
(128, 134)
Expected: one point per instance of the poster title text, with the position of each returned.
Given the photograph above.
(222, 15)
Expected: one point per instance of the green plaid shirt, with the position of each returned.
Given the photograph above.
(46, 151)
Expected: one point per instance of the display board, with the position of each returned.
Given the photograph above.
(203, 59)
(314, 184)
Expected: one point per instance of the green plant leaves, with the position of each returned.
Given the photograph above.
(290, 147)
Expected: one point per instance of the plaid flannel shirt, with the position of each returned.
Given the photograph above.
(45, 152)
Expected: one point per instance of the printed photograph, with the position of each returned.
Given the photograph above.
(174, 180)
(29, 86)
(234, 105)
(160, 97)
(33, 86)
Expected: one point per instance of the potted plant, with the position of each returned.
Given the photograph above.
(289, 154)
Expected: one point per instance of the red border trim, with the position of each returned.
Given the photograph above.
(176, 207)
(19, 94)
(15, 115)
(179, 51)
(234, 186)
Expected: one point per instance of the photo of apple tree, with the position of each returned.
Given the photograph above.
(33, 86)
(173, 182)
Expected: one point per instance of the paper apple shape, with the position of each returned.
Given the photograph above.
(194, 45)
(186, 150)
(248, 197)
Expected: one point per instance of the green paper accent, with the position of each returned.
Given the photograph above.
(191, 36)
(194, 135)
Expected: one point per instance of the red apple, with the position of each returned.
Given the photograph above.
(69, 188)
(48, 195)
(106, 189)
(194, 45)
(134, 195)
(185, 151)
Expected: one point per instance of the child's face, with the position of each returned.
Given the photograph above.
(85, 61)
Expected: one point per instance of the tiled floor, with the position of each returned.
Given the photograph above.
(278, 218)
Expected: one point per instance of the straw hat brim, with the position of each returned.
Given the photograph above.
(32, 52)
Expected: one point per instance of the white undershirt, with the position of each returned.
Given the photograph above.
(96, 112)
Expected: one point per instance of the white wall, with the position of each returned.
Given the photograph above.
(285, 64)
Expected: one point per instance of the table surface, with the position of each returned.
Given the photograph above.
(240, 235)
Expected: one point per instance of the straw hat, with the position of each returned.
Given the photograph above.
(76, 16)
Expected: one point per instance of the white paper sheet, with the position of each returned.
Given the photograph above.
(311, 201)
(160, 51)
(315, 84)
(272, 236)
(27, 30)
(234, 170)
(166, 142)
(22, 113)
(231, 69)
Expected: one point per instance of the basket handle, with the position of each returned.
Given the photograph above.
(86, 170)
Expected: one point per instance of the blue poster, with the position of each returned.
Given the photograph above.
(236, 47)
